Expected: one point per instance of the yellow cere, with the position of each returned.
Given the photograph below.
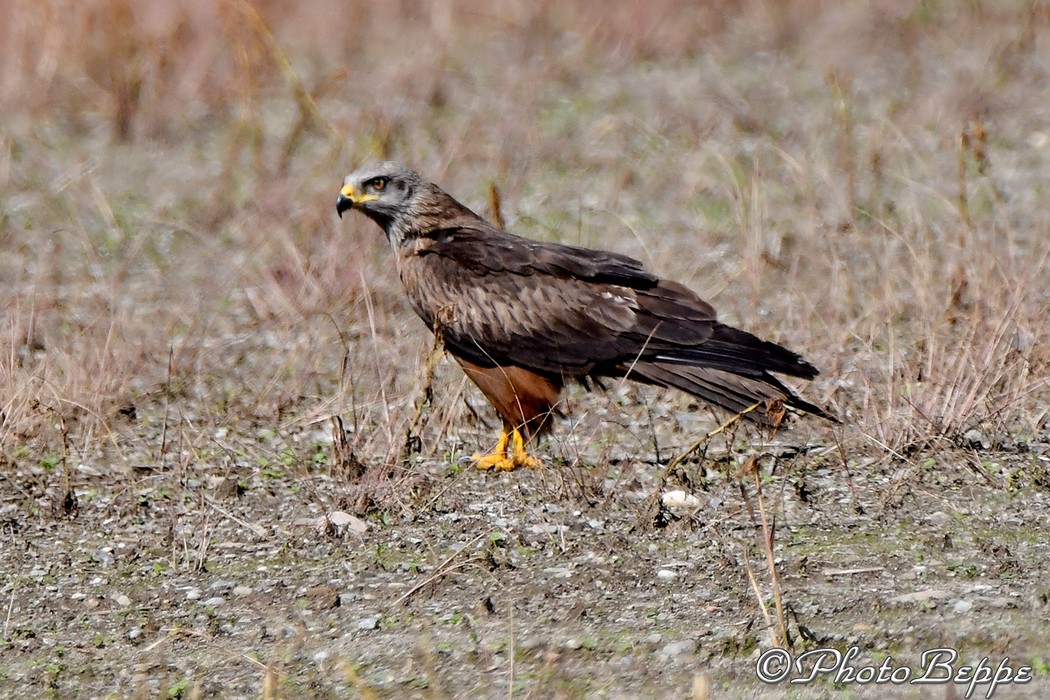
(347, 191)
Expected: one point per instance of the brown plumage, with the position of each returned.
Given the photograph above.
(522, 316)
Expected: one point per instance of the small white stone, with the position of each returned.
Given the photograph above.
(558, 572)
(368, 623)
(341, 519)
(666, 574)
(678, 648)
(929, 595)
(87, 470)
(680, 503)
(938, 518)
(975, 438)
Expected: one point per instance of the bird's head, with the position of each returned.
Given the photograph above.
(403, 204)
(385, 192)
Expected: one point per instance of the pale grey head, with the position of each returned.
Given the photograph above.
(403, 204)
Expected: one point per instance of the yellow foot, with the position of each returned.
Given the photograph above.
(494, 462)
(520, 457)
(503, 460)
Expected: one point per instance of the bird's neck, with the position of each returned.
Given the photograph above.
(435, 212)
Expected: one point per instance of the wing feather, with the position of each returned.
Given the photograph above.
(565, 311)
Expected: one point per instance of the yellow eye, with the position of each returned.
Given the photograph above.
(379, 184)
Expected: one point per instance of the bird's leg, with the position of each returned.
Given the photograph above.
(497, 459)
(519, 457)
(508, 455)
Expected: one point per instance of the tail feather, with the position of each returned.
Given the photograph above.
(738, 352)
(683, 346)
(728, 390)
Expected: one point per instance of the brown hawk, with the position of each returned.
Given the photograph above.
(522, 316)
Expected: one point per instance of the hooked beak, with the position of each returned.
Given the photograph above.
(345, 201)
(348, 199)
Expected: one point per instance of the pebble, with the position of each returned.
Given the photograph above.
(222, 584)
(1001, 602)
(213, 602)
(368, 623)
(666, 574)
(88, 470)
(341, 519)
(975, 438)
(686, 646)
(920, 596)
(241, 591)
(122, 600)
(530, 643)
(962, 607)
(938, 518)
(134, 633)
(680, 503)
(193, 594)
(78, 596)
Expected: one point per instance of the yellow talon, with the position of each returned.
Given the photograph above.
(497, 459)
(502, 460)
(520, 457)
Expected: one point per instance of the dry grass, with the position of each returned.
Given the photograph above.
(865, 183)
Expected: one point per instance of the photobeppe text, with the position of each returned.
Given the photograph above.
(936, 667)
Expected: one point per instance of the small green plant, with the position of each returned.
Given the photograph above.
(177, 689)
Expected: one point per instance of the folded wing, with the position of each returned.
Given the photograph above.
(563, 311)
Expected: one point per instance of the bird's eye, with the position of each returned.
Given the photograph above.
(379, 184)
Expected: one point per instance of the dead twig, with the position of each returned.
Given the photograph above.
(443, 569)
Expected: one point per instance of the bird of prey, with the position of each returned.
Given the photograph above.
(522, 316)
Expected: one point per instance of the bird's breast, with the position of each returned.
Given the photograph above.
(427, 288)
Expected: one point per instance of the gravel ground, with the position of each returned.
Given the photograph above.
(562, 582)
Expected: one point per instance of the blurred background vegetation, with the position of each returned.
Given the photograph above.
(864, 182)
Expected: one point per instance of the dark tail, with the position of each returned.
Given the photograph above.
(730, 370)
